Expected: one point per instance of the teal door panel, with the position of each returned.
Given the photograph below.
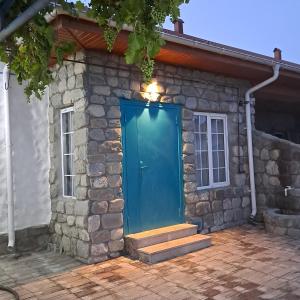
(152, 168)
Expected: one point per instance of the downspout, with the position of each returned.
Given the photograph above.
(249, 135)
(9, 175)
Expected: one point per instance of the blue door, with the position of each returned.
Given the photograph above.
(152, 166)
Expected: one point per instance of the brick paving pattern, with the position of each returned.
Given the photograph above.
(244, 263)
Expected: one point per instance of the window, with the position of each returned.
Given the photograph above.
(67, 151)
(211, 147)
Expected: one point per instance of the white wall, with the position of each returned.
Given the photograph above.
(29, 134)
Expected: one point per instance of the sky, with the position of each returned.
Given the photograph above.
(254, 25)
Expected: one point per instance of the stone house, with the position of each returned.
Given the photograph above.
(126, 157)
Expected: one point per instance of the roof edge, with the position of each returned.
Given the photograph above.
(198, 43)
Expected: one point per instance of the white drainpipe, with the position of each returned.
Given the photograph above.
(249, 135)
(9, 175)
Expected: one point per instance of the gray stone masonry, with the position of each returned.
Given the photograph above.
(90, 227)
(277, 164)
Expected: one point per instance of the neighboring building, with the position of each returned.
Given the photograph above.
(30, 147)
(120, 163)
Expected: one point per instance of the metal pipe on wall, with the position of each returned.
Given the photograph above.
(9, 174)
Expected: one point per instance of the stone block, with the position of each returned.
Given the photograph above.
(188, 148)
(83, 235)
(274, 154)
(227, 204)
(191, 103)
(99, 249)
(245, 202)
(100, 236)
(217, 205)
(82, 208)
(112, 221)
(272, 168)
(117, 245)
(60, 206)
(228, 216)
(99, 207)
(97, 134)
(173, 90)
(101, 90)
(81, 193)
(203, 208)
(81, 221)
(114, 112)
(96, 169)
(99, 182)
(191, 198)
(218, 218)
(236, 203)
(190, 187)
(114, 181)
(101, 194)
(83, 249)
(116, 234)
(96, 110)
(264, 154)
(71, 220)
(116, 205)
(66, 244)
(93, 223)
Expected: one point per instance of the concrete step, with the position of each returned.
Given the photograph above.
(135, 241)
(167, 250)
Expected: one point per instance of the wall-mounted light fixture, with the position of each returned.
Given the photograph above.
(151, 93)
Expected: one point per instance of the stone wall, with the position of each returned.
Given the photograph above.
(277, 164)
(91, 227)
(69, 221)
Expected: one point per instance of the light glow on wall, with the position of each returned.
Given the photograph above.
(151, 93)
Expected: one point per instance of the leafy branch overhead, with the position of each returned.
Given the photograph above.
(29, 49)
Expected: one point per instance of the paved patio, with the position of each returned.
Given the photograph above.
(244, 263)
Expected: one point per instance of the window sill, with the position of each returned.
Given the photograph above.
(214, 187)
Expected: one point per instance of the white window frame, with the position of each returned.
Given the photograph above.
(213, 184)
(63, 111)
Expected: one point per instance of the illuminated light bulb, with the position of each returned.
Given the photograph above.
(151, 93)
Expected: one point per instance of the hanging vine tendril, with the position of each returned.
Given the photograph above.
(31, 46)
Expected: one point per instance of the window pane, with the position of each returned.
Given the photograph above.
(196, 123)
(67, 121)
(215, 159)
(216, 175)
(198, 160)
(205, 177)
(214, 141)
(221, 141)
(67, 144)
(203, 142)
(221, 159)
(204, 160)
(197, 141)
(220, 123)
(203, 124)
(199, 177)
(222, 176)
(68, 165)
(68, 185)
(214, 126)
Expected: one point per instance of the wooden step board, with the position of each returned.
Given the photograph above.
(135, 241)
(167, 250)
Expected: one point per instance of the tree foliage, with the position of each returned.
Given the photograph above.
(29, 49)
